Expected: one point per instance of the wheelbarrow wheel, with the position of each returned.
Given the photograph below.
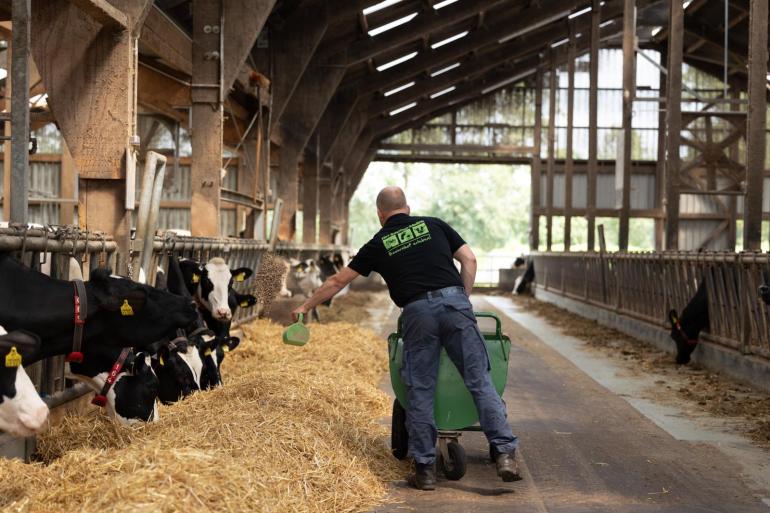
(454, 468)
(399, 437)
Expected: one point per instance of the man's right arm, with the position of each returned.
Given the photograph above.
(467, 259)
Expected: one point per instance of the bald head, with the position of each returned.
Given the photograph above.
(390, 199)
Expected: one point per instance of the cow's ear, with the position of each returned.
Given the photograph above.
(230, 343)
(191, 271)
(673, 317)
(18, 348)
(241, 274)
(246, 300)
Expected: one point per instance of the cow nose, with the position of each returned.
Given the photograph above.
(224, 313)
(35, 420)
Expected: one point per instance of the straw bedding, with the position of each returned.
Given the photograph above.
(294, 429)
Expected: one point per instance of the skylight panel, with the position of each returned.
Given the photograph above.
(444, 3)
(392, 24)
(445, 69)
(448, 40)
(399, 88)
(442, 92)
(396, 62)
(380, 6)
(402, 109)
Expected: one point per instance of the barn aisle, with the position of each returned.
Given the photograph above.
(586, 448)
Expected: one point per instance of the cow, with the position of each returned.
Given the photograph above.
(133, 396)
(329, 267)
(119, 312)
(22, 412)
(523, 283)
(210, 284)
(212, 346)
(685, 330)
(305, 278)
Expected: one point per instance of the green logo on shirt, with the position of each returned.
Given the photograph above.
(413, 234)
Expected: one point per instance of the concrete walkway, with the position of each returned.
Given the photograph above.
(586, 447)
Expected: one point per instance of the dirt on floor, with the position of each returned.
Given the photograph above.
(701, 389)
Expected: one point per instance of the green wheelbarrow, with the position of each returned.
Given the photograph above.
(454, 408)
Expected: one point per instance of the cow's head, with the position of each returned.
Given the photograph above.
(212, 352)
(684, 346)
(22, 412)
(137, 315)
(179, 368)
(213, 283)
(135, 394)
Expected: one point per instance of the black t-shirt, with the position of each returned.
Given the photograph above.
(413, 255)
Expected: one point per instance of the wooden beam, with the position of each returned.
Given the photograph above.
(325, 206)
(166, 40)
(243, 21)
(629, 91)
(309, 197)
(207, 120)
(536, 168)
(19, 156)
(593, 116)
(674, 123)
(756, 125)
(293, 47)
(551, 153)
(103, 12)
(569, 165)
(335, 121)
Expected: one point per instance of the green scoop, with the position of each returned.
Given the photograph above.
(297, 334)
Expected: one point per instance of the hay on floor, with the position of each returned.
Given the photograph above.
(294, 429)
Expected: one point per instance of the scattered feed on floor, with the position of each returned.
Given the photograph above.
(293, 429)
(703, 389)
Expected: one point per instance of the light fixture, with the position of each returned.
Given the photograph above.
(399, 88)
(392, 24)
(442, 92)
(380, 6)
(402, 109)
(396, 62)
(444, 69)
(448, 40)
(656, 31)
(444, 3)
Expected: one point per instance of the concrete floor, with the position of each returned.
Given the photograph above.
(587, 445)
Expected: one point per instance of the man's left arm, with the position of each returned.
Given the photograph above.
(327, 291)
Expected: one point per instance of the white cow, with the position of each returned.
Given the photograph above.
(22, 412)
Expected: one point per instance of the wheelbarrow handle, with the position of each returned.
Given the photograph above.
(489, 315)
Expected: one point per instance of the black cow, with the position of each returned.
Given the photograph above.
(120, 312)
(22, 412)
(685, 330)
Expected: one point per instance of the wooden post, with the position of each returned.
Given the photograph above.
(207, 122)
(551, 156)
(660, 166)
(732, 201)
(68, 182)
(309, 197)
(569, 165)
(674, 122)
(629, 91)
(593, 116)
(537, 166)
(756, 125)
(19, 191)
(7, 143)
(325, 205)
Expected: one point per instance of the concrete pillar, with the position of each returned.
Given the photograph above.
(325, 205)
(309, 197)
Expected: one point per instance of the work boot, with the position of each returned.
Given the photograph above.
(507, 468)
(424, 477)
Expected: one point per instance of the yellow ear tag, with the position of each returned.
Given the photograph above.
(207, 352)
(196, 278)
(13, 358)
(226, 349)
(125, 309)
(160, 360)
(244, 304)
(240, 277)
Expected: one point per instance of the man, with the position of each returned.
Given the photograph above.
(415, 257)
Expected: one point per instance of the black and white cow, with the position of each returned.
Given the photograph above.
(185, 278)
(210, 284)
(133, 396)
(22, 412)
(685, 330)
(120, 312)
(329, 266)
(523, 283)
